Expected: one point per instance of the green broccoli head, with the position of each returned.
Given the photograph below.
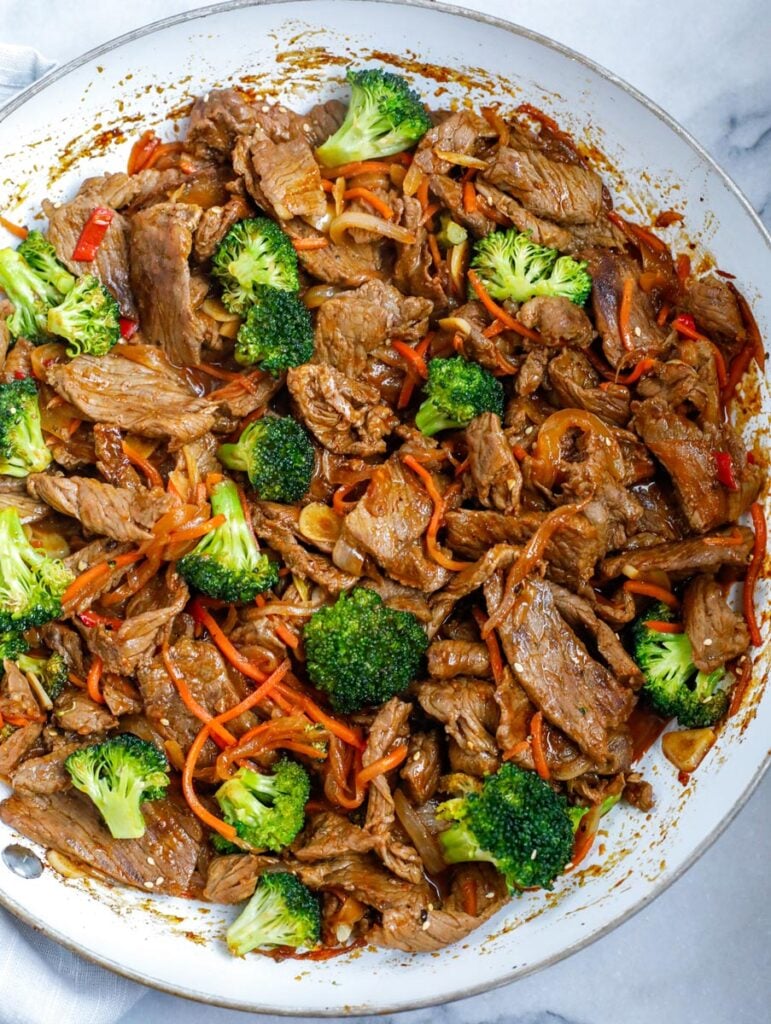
(450, 233)
(41, 257)
(456, 392)
(384, 117)
(227, 564)
(577, 813)
(254, 253)
(32, 297)
(50, 672)
(12, 645)
(517, 822)
(361, 652)
(31, 583)
(276, 454)
(277, 332)
(88, 318)
(512, 266)
(119, 774)
(674, 687)
(22, 448)
(267, 811)
(282, 912)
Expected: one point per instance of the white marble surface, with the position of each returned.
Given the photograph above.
(701, 954)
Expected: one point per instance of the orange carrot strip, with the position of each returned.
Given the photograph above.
(721, 369)
(422, 194)
(263, 691)
(94, 678)
(415, 360)
(539, 755)
(141, 151)
(663, 627)
(470, 204)
(740, 688)
(646, 589)
(437, 515)
(751, 326)
(314, 712)
(585, 835)
(76, 681)
(189, 792)
(189, 700)
(373, 200)
(382, 765)
(429, 212)
(433, 247)
(493, 649)
(149, 470)
(308, 244)
(236, 659)
(96, 572)
(161, 150)
(518, 748)
(753, 572)
(468, 891)
(218, 373)
(194, 532)
(358, 167)
(339, 505)
(624, 310)
(498, 312)
(408, 387)
(15, 229)
(286, 636)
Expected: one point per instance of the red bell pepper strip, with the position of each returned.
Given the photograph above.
(725, 470)
(92, 235)
(128, 328)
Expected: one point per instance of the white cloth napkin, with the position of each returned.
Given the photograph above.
(40, 982)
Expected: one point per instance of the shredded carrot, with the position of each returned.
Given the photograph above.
(740, 688)
(516, 750)
(141, 151)
(433, 247)
(192, 705)
(470, 204)
(218, 373)
(149, 470)
(314, 712)
(15, 229)
(382, 765)
(645, 365)
(750, 325)
(645, 589)
(739, 366)
(373, 200)
(189, 792)
(624, 310)
(498, 312)
(286, 636)
(682, 268)
(94, 678)
(428, 213)
(309, 244)
(237, 660)
(160, 151)
(263, 691)
(339, 506)
(721, 370)
(539, 754)
(753, 572)
(637, 233)
(76, 681)
(663, 314)
(494, 329)
(493, 649)
(200, 530)
(135, 580)
(658, 626)
(358, 167)
(732, 539)
(437, 516)
(415, 360)
(422, 194)
(584, 839)
(96, 572)
(469, 896)
(408, 387)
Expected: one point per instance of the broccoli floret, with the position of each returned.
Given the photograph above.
(361, 652)
(41, 256)
(119, 774)
(277, 332)
(674, 687)
(50, 672)
(88, 318)
(254, 253)
(22, 448)
(457, 391)
(277, 456)
(227, 564)
(518, 823)
(512, 266)
(224, 846)
(267, 811)
(32, 297)
(282, 912)
(577, 813)
(31, 583)
(12, 644)
(450, 233)
(384, 117)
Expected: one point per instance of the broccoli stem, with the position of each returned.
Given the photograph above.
(225, 501)
(261, 922)
(430, 420)
(121, 807)
(234, 455)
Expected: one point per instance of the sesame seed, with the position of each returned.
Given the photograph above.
(637, 332)
(518, 667)
(265, 108)
(426, 925)
(708, 642)
(149, 885)
(307, 129)
(534, 854)
(430, 907)
(159, 880)
(528, 430)
(164, 721)
(489, 895)
(151, 861)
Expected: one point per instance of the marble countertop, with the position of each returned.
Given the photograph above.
(702, 951)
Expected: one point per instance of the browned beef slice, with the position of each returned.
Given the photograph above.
(347, 416)
(76, 712)
(494, 470)
(215, 224)
(515, 712)
(448, 658)
(683, 558)
(351, 325)
(716, 632)
(13, 495)
(559, 321)
(346, 265)
(420, 772)
(282, 177)
(554, 668)
(161, 242)
(233, 878)
(45, 774)
(470, 532)
(16, 746)
(324, 119)
(639, 794)
(459, 132)
(389, 730)
(112, 390)
(211, 684)
(690, 378)
(450, 194)
(388, 524)
(414, 272)
(543, 232)
(661, 518)
(328, 835)
(316, 567)
(65, 641)
(362, 876)
(468, 580)
(469, 713)
(217, 119)
(609, 272)
(111, 460)
(117, 512)
(714, 308)
(233, 405)
(163, 860)
(566, 193)
(120, 695)
(18, 361)
(688, 455)
(16, 695)
(577, 385)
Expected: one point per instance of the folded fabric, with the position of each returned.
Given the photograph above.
(20, 66)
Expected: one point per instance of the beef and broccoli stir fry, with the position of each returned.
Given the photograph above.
(367, 492)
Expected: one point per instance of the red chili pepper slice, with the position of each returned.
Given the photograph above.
(128, 328)
(91, 619)
(725, 470)
(92, 235)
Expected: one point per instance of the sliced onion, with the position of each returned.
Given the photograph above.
(412, 179)
(687, 748)
(214, 308)
(319, 293)
(367, 222)
(461, 159)
(43, 356)
(338, 191)
(230, 329)
(423, 841)
(63, 865)
(457, 258)
(347, 558)
(320, 525)
(39, 691)
(456, 323)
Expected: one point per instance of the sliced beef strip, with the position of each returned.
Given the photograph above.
(350, 326)
(396, 595)
(688, 455)
(717, 633)
(120, 695)
(577, 385)
(324, 119)
(661, 518)
(14, 748)
(465, 582)
(76, 712)
(450, 194)
(449, 658)
(60, 639)
(543, 232)
(116, 512)
(363, 876)
(714, 307)
(346, 265)
(163, 860)
(111, 460)
(236, 401)
(16, 695)
(515, 712)
(683, 558)
(470, 532)
(45, 774)
(215, 224)
(316, 567)
(558, 320)
(18, 362)
(690, 378)
(347, 416)
(216, 121)
(575, 693)
(13, 495)
(233, 878)
(459, 132)
(639, 794)
(494, 471)
(133, 397)
(388, 524)
(389, 730)
(161, 243)
(282, 177)
(414, 272)
(469, 713)
(565, 193)
(421, 771)
(610, 271)
(328, 835)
